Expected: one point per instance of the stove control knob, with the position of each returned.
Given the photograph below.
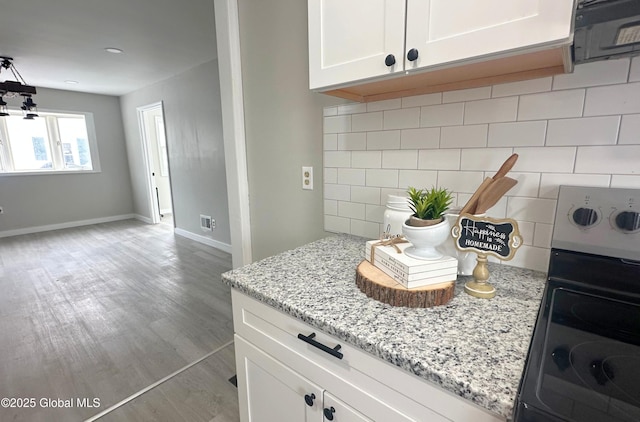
(628, 221)
(585, 217)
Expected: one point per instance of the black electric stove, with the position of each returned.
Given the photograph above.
(583, 363)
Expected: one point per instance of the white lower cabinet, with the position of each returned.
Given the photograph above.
(273, 392)
(291, 371)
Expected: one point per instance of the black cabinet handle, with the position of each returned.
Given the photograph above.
(328, 413)
(309, 398)
(309, 339)
(390, 60)
(412, 55)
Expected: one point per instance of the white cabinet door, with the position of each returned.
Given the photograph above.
(272, 392)
(445, 31)
(340, 411)
(350, 40)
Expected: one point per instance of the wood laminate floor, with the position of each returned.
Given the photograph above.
(105, 311)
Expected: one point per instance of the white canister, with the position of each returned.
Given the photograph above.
(396, 213)
(466, 260)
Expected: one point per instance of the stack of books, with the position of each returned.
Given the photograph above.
(411, 272)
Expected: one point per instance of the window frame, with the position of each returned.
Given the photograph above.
(55, 145)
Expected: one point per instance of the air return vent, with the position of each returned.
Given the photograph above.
(205, 223)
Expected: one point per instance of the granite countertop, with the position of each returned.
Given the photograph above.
(474, 348)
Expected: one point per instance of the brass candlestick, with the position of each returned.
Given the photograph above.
(479, 286)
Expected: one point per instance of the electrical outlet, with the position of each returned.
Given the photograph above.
(213, 224)
(307, 177)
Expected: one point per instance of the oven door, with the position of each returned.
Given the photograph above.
(584, 359)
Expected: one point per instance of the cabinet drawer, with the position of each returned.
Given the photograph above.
(276, 333)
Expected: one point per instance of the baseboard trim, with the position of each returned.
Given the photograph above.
(143, 218)
(202, 239)
(67, 225)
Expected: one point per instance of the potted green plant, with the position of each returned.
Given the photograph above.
(427, 228)
(428, 206)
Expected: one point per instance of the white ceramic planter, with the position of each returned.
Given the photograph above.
(426, 239)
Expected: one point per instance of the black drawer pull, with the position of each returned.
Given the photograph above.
(309, 339)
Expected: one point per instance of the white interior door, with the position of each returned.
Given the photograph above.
(445, 31)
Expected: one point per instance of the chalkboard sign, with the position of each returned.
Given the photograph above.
(486, 235)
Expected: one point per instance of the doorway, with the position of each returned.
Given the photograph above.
(156, 162)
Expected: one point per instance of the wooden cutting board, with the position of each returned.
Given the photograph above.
(379, 286)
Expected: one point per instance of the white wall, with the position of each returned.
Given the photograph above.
(283, 122)
(575, 129)
(61, 199)
(193, 123)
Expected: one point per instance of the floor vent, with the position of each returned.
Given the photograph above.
(205, 223)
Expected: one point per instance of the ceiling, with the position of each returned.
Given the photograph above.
(55, 41)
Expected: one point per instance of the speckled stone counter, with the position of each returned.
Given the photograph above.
(475, 348)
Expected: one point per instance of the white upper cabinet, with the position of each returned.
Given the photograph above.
(351, 40)
(354, 42)
(445, 31)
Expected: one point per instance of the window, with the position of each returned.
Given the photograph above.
(53, 142)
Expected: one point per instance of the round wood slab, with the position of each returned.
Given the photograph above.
(377, 285)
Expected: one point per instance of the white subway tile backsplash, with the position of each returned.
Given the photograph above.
(365, 229)
(442, 115)
(352, 141)
(613, 99)
(330, 207)
(351, 210)
(466, 95)
(542, 235)
(384, 139)
(531, 209)
(422, 100)
(517, 134)
(337, 192)
(330, 175)
(366, 159)
(551, 105)
(439, 159)
(584, 131)
(382, 178)
(630, 129)
(337, 224)
(593, 74)
(464, 136)
(352, 108)
(527, 230)
(351, 176)
(483, 159)
(384, 105)
(337, 159)
(375, 213)
(523, 87)
(337, 124)
(625, 181)
(365, 195)
(531, 257)
(402, 159)
(402, 119)
(420, 138)
(545, 159)
(634, 73)
(330, 111)
(366, 121)
(550, 182)
(330, 142)
(460, 181)
(528, 184)
(419, 179)
(617, 159)
(491, 111)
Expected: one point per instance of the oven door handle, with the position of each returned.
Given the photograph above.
(630, 262)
